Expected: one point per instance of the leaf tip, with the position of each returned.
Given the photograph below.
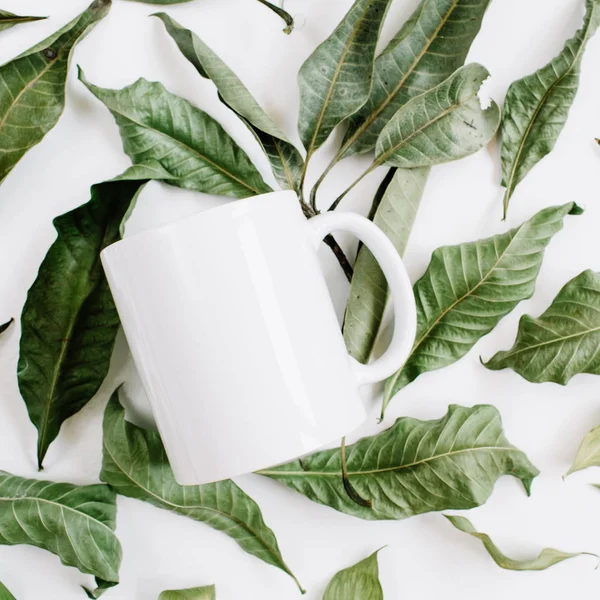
(576, 209)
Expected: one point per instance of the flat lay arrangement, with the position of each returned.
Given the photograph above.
(225, 310)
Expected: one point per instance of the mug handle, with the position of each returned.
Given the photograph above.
(405, 310)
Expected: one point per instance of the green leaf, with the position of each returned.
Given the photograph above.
(564, 341)
(359, 582)
(157, 126)
(335, 80)
(77, 523)
(468, 288)
(414, 467)
(8, 20)
(34, 84)
(430, 46)
(537, 106)
(394, 212)
(69, 321)
(547, 557)
(135, 464)
(5, 326)
(201, 593)
(588, 454)
(287, 18)
(286, 162)
(5, 594)
(441, 125)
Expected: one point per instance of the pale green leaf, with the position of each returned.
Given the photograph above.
(547, 557)
(77, 523)
(467, 289)
(562, 342)
(135, 464)
(431, 46)
(414, 467)
(69, 322)
(201, 593)
(537, 106)
(34, 88)
(8, 20)
(286, 162)
(157, 126)
(588, 454)
(358, 582)
(441, 125)
(335, 81)
(394, 212)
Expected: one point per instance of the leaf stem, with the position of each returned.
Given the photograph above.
(353, 185)
(341, 256)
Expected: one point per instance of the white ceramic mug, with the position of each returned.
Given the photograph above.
(232, 329)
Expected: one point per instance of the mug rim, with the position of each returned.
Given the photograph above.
(233, 204)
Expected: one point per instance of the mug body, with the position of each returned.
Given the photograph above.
(230, 323)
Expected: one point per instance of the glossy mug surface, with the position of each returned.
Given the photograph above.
(232, 329)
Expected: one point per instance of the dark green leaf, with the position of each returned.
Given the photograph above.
(335, 81)
(546, 558)
(394, 213)
(135, 464)
(588, 454)
(69, 321)
(287, 18)
(431, 46)
(201, 593)
(468, 288)
(77, 523)
(537, 106)
(5, 594)
(157, 126)
(8, 20)
(34, 88)
(414, 467)
(5, 326)
(564, 341)
(359, 582)
(286, 162)
(441, 125)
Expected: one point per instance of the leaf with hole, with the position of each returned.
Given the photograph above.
(69, 321)
(8, 20)
(77, 523)
(135, 464)
(286, 162)
(394, 211)
(547, 557)
(562, 342)
(358, 582)
(157, 126)
(430, 46)
(414, 467)
(537, 106)
(201, 593)
(34, 88)
(335, 80)
(441, 125)
(467, 289)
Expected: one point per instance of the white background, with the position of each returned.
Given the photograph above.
(426, 557)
